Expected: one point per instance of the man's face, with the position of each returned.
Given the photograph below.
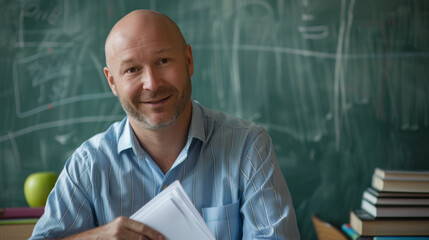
(150, 73)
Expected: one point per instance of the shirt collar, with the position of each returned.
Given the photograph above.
(128, 139)
(196, 130)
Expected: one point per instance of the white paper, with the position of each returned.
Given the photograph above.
(173, 214)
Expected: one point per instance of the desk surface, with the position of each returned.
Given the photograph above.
(16, 231)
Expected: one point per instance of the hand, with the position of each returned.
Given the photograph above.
(121, 228)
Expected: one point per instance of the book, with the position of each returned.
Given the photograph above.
(367, 225)
(184, 221)
(352, 234)
(390, 194)
(400, 201)
(21, 212)
(394, 211)
(400, 185)
(18, 221)
(402, 175)
(17, 231)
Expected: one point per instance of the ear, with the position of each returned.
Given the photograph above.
(189, 60)
(110, 80)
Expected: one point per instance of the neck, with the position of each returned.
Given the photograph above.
(164, 145)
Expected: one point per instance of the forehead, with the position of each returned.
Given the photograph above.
(139, 36)
(143, 30)
(143, 50)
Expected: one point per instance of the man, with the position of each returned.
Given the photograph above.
(226, 165)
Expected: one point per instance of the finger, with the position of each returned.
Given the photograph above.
(131, 235)
(117, 229)
(143, 229)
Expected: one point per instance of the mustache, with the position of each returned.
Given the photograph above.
(159, 94)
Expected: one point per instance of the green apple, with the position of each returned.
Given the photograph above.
(37, 187)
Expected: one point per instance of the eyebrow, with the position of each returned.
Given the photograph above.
(163, 50)
(130, 60)
(125, 62)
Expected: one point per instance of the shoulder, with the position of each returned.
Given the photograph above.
(230, 134)
(227, 120)
(218, 121)
(96, 149)
(111, 136)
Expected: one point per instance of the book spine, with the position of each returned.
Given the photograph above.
(348, 230)
(11, 213)
(18, 221)
(382, 184)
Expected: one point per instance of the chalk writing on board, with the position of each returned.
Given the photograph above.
(58, 123)
(41, 17)
(314, 32)
(259, 14)
(308, 53)
(307, 17)
(45, 78)
(43, 72)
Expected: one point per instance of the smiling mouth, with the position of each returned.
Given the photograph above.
(157, 101)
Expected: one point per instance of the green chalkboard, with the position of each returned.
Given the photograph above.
(342, 86)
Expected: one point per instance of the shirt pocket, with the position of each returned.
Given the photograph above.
(224, 221)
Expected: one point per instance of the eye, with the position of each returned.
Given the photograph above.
(131, 70)
(163, 61)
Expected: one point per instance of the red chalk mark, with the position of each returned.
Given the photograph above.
(50, 50)
(50, 106)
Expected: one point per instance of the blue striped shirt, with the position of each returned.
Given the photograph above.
(228, 169)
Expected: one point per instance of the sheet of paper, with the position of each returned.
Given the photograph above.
(173, 214)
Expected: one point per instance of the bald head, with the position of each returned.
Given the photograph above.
(141, 25)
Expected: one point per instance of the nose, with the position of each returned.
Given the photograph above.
(151, 79)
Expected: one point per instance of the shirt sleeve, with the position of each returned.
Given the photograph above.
(266, 207)
(68, 209)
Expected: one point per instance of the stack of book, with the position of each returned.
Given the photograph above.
(18, 223)
(396, 205)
